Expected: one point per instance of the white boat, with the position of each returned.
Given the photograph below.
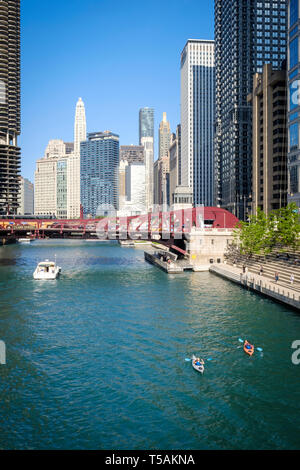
(25, 240)
(198, 364)
(46, 270)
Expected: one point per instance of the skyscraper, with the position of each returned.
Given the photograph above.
(99, 165)
(73, 169)
(80, 126)
(248, 34)
(197, 119)
(164, 137)
(294, 102)
(146, 123)
(132, 153)
(10, 159)
(146, 131)
(269, 172)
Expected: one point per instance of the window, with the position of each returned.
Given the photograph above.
(294, 6)
(294, 53)
(294, 136)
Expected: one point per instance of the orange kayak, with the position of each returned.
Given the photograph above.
(248, 348)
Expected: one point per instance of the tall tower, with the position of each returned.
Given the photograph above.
(80, 126)
(164, 136)
(248, 34)
(73, 170)
(294, 102)
(10, 121)
(197, 119)
(146, 131)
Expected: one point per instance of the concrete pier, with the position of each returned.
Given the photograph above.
(259, 284)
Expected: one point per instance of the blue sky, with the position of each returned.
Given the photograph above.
(117, 55)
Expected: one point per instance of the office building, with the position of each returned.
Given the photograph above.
(73, 168)
(248, 34)
(10, 125)
(175, 167)
(132, 153)
(164, 137)
(269, 140)
(146, 135)
(197, 119)
(293, 102)
(26, 197)
(99, 166)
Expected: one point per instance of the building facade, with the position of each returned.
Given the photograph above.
(61, 179)
(269, 140)
(45, 185)
(294, 102)
(146, 135)
(175, 167)
(132, 153)
(99, 165)
(164, 137)
(135, 175)
(248, 34)
(197, 119)
(73, 169)
(10, 118)
(26, 197)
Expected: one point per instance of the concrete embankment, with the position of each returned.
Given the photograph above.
(259, 284)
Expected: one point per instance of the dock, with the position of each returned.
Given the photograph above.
(170, 267)
(259, 284)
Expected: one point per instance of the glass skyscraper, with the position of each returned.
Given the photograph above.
(294, 101)
(146, 123)
(99, 162)
(248, 34)
(197, 119)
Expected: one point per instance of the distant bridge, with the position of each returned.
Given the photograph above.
(153, 226)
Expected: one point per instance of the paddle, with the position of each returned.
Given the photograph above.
(187, 359)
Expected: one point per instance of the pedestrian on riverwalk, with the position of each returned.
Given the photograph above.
(292, 279)
(261, 270)
(244, 268)
(276, 276)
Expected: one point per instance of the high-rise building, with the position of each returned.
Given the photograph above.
(10, 153)
(294, 102)
(79, 126)
(132, 153)
(269, 142)
(135, 188)
(122, 184)
(146, 123)
(164, 137)
(175, 166)
(248, 34)
(197, 119)
(146, 134)
(51, 180)
(45, 186)
(73, 169)
(26, 197)
(61, 181)
(99, 165)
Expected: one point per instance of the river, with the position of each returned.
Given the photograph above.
(96, 359)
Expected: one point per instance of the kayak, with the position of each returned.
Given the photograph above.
(248, 348)
(197, 367)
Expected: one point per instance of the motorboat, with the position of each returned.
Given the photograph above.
(25, 240)
(47, 270)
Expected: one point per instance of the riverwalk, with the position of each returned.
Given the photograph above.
(289, 295)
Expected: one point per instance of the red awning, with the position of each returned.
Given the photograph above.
(178, 249)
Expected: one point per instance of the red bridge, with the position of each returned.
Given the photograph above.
(160, 225)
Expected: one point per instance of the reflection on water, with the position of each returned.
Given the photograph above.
(96, 359)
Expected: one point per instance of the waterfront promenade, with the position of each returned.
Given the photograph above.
(280, 292)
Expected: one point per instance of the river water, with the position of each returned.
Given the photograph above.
(96, 359)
